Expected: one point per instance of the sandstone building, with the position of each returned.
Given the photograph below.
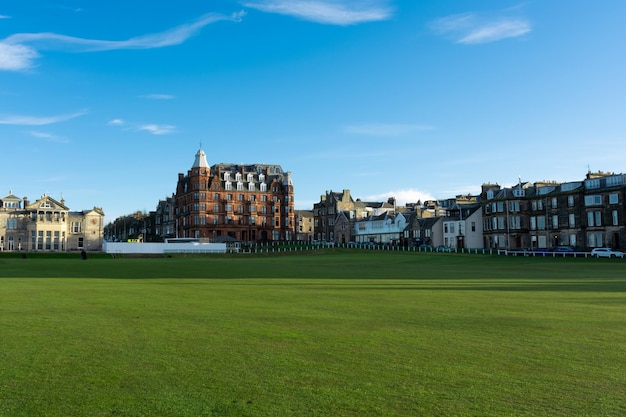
(48, 225)
(248, 203)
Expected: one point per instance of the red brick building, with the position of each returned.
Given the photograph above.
(249, 203)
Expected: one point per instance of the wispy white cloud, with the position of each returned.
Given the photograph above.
(2, 16)
(157, 129)
(16, 57)
(331, 12)
(402, 196)
(19, 51)
(158, 96)
(116, 122)
(49, 137)
(474, 28)
(37, 120)
(384, 129)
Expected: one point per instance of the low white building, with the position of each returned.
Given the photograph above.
(382, 229)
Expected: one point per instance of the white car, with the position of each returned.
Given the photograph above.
(606, 253)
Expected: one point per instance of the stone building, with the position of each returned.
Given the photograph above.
(249, 203)
(545, 215)
(304, 225)
(48, 225)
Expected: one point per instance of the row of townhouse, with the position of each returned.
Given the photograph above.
(581, 214)
(541, 215)
(48, 225)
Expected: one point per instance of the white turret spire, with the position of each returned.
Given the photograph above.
(200, 161)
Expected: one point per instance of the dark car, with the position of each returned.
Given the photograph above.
(564, 249)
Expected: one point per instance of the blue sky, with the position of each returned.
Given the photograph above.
(106, 102)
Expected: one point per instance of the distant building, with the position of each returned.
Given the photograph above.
(246, 203)
(545, 215)
(48, 225)
(335, 210)
(304, 225)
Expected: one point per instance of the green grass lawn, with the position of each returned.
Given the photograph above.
(336, 333)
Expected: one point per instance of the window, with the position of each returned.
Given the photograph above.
(500, 222)
(263, 187)
(239, 186)
(595, 183)
(77, 227)
(554, 202)
(572, 220)
(613, 198)
(555, 222)
(595, 239)
(12, 224)
(541, 222)
(615, 217)
(216, 197)
(80, 243)
(228, 186)
(594, 218)
(593, 200)
(473, 225)
(615, 180)
(570, 201)
(251, 186)
(514, 206)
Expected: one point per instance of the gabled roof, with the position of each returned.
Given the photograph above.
(11, 197)
(47, 199)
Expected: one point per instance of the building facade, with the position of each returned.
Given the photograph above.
(304, 225)
(249, 203)
(48, 225)
(545, 215)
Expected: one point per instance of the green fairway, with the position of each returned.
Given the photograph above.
(334, 333)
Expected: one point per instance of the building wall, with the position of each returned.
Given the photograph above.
(249, 203)
(48, 225)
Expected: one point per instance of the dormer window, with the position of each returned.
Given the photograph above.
(262, 177)
(228, 185)
(238, 176)
(227, 176)
(489, 194)
(263, 187)
(250, 177)
(239, 185)
(251, 186)
(518, 192)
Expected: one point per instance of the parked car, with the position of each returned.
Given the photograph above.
(519, 252)
(606, 253)
(564, 249)
(443, 248)
(425, 247)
